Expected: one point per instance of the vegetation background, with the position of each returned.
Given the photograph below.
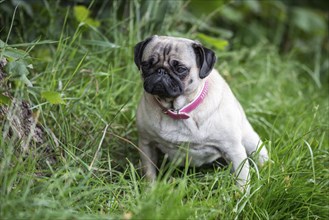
(73, 61)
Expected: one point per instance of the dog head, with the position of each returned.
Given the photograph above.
(172, 66)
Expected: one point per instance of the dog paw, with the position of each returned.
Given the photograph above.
(262, 160)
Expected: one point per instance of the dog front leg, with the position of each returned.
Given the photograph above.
(149, 159)
(238, 156)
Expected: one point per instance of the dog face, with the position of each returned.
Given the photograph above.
(172, 66)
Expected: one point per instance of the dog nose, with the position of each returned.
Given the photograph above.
(162, 71)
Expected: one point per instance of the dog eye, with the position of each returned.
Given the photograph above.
(181, 69)
(147, 63)
(144, 63)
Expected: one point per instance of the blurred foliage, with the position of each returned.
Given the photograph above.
(300, 27)
(297, 26)
(19, 63)
(277, 21)
(52, 97)
(82, 14)
(218, 43)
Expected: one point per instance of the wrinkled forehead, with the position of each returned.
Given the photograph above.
(169, 48)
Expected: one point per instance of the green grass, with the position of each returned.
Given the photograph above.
(97, 174)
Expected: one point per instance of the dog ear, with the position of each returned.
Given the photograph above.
(205, 59)
(138, 51)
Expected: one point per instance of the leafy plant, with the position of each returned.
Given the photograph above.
(4, 100)
(82, 14)
(53, 97)
(19, 63)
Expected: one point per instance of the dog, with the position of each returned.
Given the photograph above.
(188, 110)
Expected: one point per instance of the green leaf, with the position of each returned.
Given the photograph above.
(26, 81)
(201, 7)
(18, 63)
(42, 42)
(92, 22)
(4, 100)
(53, 97)
(16, 69)
(232, 14)
(2, 44)
(309, 21)
(253, 6)
(14, 54)
(99, 43)
(82, 13)
(218, 43)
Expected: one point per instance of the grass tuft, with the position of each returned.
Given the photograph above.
(97, 171)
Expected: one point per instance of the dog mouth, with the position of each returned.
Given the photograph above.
(163, 86)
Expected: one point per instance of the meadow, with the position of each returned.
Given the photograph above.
(87, 64)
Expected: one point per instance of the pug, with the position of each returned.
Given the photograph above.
(188, 111)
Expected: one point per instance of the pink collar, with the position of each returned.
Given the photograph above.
(183, 112)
